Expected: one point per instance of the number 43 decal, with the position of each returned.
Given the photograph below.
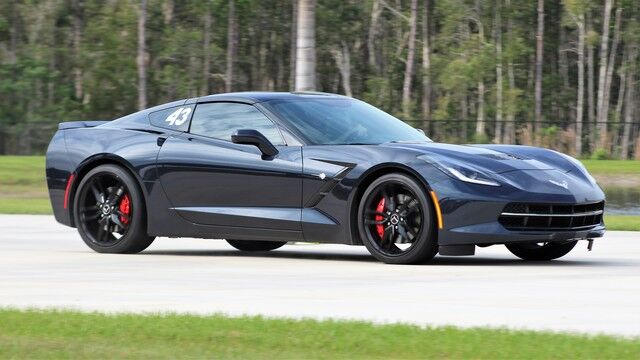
(179, 116)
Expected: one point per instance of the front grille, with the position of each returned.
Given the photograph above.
(545, 217)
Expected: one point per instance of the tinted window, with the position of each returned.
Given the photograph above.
(343, 121)
(220, 120)
(175, 118)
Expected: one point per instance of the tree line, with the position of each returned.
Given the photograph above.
(506, 71)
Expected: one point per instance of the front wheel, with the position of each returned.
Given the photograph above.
(396, 221)
(541, 251)
(255, 245)
(109, 211)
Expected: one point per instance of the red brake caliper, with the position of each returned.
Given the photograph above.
(380, 209)
(125, 208)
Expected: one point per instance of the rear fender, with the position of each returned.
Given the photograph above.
(59, 167)
(92, 162)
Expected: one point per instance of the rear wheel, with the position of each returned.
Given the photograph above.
(541, 251)
(109, 211)
(251, 245)
(395, 221)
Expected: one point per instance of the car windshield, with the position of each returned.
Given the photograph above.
(343, 122)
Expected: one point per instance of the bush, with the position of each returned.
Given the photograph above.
(600, 154)
(480, 138)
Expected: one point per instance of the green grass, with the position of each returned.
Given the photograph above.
(64, 334)
(22, 172)
(612, 167)
(25, 205)
(622, 222)
(23, 189)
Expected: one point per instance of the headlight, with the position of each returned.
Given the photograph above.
(461, 172)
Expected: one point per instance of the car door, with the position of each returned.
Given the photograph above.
(211, 181)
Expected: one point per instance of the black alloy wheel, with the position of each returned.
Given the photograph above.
(109, 211)
(396, 222)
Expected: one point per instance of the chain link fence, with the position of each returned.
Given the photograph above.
(622, 140)
(32, 138)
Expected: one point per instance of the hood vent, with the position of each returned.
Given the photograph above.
(504, 156)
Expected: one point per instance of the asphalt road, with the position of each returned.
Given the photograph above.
(44, 264)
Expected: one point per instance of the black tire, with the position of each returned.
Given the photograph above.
(414, 225)
(104, 222)
(541, 252)
(255, 245)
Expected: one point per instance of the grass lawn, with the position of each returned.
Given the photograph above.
(38, 205)
(23, 189)
(63, 334)
(612, 167)
(622, 222)
(22, 172)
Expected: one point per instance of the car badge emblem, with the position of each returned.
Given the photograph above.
(562, 184)
(322, 176)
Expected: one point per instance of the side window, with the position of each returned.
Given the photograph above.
(220, 120)
(175, 118)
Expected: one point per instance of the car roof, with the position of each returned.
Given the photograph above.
(253, 97)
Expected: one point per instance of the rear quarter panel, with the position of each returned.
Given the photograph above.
(78, 150)
(58, 169)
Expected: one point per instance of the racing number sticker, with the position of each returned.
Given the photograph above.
(178, 117)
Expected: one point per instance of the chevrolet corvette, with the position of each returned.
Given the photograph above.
(260, 169)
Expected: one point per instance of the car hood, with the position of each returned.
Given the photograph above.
(490, 160)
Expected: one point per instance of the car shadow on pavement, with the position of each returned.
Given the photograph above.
(288, 254)
(333, 256)
(487, 261)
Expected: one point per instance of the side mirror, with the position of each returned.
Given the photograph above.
(255, 137)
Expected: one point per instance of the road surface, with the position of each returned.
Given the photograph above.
(44, 264)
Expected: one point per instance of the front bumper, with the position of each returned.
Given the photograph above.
(494, 233)
(470, 214)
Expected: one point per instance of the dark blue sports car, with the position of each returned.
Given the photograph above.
(260, 169)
